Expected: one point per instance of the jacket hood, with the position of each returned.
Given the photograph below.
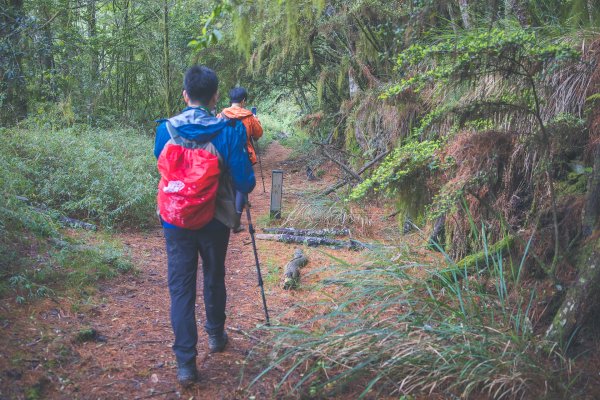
(197, 124)
(236, 112)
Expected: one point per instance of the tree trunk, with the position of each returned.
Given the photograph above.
(94, 56)
(452, 18)
(591, 209)
(12, 78)
(46, 75)
(167, 60)
(292, 270)
(516, 8)
(580, 296)
(464, 13)
(438, 235)
(353, 87)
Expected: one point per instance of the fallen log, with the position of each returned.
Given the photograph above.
(75, 223)
(342, 165)
(292, 270)
(363, 169)
(314, 241)
(335, 187)
(64, 220)
(475, 263)
(308, 232)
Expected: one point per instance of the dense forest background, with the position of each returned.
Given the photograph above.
(477, 121)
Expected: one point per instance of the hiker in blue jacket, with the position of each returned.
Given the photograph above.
(228, 139)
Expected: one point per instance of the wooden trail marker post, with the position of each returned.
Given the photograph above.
(276, 193)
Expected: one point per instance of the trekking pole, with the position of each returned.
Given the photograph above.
(259, 164)
(253, 109)
(260, 280)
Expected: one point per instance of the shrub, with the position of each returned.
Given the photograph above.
(78, 171)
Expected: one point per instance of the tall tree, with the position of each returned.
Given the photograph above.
(517, 9)
(167, 60)
(12, 77)
(464, 13)
(93, 53)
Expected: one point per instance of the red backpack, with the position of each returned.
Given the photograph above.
(189, 180)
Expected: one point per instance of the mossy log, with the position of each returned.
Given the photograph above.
(474, 262)
(292, 270)
(314, 241)
(308, 232)
(64, 220)
(580, 296)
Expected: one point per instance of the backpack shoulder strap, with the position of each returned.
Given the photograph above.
(192, 144)
(176, 137)
(230, 121)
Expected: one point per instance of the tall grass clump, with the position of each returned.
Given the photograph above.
(320, 212)
(105, 176)
(391, 333)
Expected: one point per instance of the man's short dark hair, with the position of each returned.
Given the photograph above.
(238, 94)
(200, 83)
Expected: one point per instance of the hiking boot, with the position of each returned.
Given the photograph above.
(187, 374)
(239, 228)
(217, 343)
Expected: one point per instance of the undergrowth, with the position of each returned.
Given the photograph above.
(105, 176)
(388, 332)
(277, 116)
(98, 175)
(37, 258)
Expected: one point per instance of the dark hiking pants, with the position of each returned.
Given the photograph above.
(183, 247)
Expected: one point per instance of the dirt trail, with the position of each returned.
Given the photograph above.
(132, 357)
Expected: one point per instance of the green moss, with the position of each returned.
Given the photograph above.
(400, 166)
(477, 261)
(575, 183)
(86, 335)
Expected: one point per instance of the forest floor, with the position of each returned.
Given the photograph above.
(115, 342)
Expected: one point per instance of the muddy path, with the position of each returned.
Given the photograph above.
(129, 352)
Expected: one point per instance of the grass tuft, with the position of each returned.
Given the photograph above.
(392, 333)
(322, 213)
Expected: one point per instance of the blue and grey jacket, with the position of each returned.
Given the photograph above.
(228, 143)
